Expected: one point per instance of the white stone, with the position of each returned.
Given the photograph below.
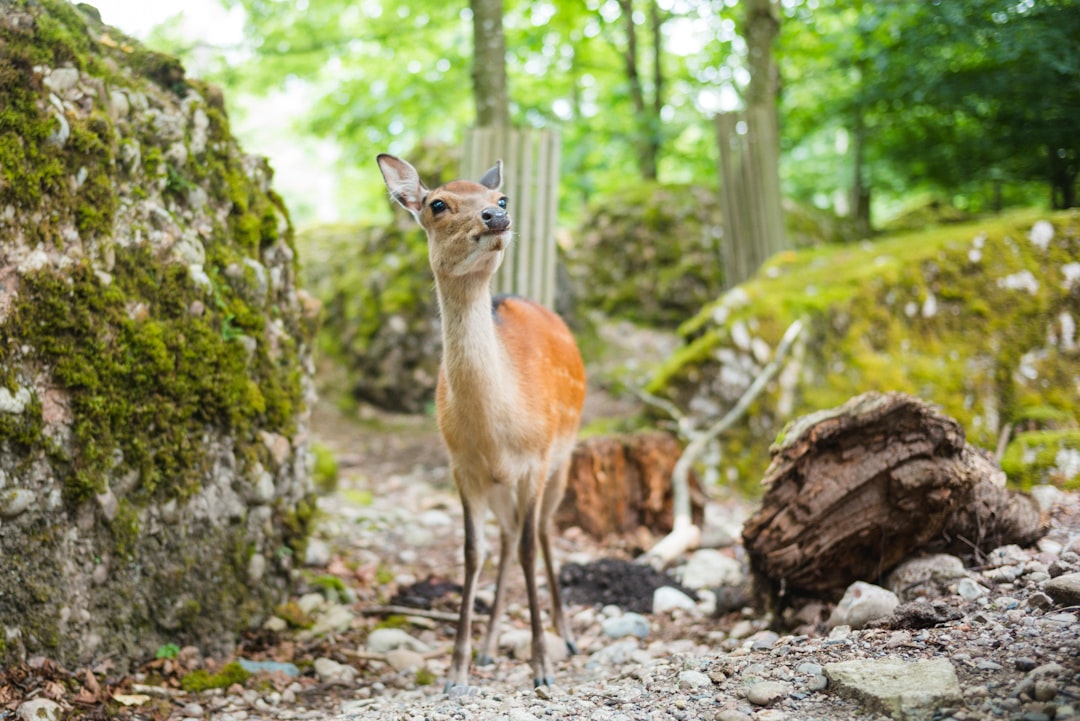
(667, 599)
(61, 79)
(15, 501)
(1041, 234)
(14, 402)
(384, 640)
(38, 709)
(709, 568)
(1023, 280)
(862, 602)
(330, 671)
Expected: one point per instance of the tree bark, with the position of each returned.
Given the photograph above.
(648, 115)
(619, 484)
(855, 490)
(490, 91)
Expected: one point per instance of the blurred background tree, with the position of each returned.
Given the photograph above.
(882, 105)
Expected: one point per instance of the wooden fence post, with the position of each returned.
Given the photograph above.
(531, 181)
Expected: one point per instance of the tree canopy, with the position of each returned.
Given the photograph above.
(977, 101)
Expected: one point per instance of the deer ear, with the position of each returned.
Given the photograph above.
(403, 182)
(492, 179)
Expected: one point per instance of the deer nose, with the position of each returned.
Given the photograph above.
(495, 218)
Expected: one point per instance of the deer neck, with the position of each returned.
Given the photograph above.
(474, 359)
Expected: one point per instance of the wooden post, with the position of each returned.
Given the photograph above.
(531, 181)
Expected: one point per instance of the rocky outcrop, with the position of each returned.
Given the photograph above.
(979, 319)
(155, 370)
(380, 316)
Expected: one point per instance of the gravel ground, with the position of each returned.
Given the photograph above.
(994, 641)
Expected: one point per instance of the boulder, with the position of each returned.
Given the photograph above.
(155, 355)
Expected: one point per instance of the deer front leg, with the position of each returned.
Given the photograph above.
(553, 494)
(474, 560)
(542, 675)
(489, 646)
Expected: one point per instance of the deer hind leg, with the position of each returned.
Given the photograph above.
(489, 647)
(553, 494)
(529, 507)
(475, 550)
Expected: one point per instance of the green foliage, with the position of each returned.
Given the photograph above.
(932, 314)
(202, 680)
(168, 650)
(325, 471)
(1035, 457)
(951, 97)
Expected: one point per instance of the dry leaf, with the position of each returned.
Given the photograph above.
(131, 699)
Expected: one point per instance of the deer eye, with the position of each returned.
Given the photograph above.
(502, 202)
(437, 206)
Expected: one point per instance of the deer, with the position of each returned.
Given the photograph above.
(508, 401)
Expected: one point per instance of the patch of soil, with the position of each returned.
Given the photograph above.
(614, 581)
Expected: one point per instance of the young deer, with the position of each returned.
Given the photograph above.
(509, 397)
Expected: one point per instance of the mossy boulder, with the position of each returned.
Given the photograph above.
(978, 318)
(652, 253)
(380, 316)
(155, 365)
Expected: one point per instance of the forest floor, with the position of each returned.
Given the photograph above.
(390, 535)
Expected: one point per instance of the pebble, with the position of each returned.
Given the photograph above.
(330, 671)
(766, 693)
(667, 599)
(691, 679)
(708, 568)
(1064, 590)
(384, 640)
(38, 709)
(862, 603)
(629, 624)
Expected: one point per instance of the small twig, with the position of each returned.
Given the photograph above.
(1003, 442)
(421, 612)
(684, 533)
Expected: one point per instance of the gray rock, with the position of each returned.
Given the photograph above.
(708, 568)
(906, 690)
(15, 501)
(1065, 589)
(766, 693)
(927, 574)
(863, 602)
(330, 671)
(61, 79)
(629, 624)
(694, 680)
(403, 659)
(384, 640)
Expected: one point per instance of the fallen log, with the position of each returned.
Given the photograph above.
(854, 490)
(619, 484)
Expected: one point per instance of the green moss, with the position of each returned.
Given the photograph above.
(926, 313)
(202, 680)
(292, 614)
(325, 470)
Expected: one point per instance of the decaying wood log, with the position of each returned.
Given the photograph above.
(620, 483)
(854, 490)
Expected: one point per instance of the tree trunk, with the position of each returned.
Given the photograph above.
(750, 160)
(648, 120)
(855, 490)
(621, 484)
(489, 64)
(860, 189)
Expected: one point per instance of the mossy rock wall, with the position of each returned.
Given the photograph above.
(652, 252)
(979, 318)
(380, 315)
(155, 369)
